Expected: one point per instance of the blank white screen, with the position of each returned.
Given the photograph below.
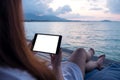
(46, 43)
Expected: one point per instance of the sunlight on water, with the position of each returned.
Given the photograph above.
(104, 37)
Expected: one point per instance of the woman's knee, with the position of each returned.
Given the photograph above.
(81, 52)
(78, 54)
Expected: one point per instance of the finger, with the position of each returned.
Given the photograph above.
(60, 52)
(51, 56)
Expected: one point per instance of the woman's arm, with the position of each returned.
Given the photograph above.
(56, 64)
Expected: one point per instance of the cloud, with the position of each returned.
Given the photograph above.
(36, 6)
(76, 16)
(114, 6)
(41, 7)
(96, 5)
(62, 10)
(93, 0)
(95, 8)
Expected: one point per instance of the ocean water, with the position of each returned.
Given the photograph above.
(104, 37)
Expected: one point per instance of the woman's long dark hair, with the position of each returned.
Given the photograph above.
(14, 51)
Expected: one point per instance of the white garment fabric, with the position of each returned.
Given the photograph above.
(71, 71)
(15, 74)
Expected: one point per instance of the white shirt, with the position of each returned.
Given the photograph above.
(8, 73)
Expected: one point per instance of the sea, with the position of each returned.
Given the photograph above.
(104, 37)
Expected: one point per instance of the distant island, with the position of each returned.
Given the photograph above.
(51, 18)
(106, 21)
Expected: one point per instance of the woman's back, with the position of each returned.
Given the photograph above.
(14, 52)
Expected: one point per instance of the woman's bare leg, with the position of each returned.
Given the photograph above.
(90, 65)
(79, 57)
(90, 54)
(83, 60)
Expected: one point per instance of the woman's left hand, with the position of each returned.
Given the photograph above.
(56, 64)
(56, 59)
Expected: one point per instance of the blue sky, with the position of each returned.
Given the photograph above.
(75, 9)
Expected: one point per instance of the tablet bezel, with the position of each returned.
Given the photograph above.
(58, 44)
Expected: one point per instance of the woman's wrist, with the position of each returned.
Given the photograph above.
(56, 68)
(58, 72)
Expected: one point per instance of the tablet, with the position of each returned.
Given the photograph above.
(46, 43)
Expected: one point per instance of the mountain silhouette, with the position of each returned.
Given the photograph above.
(34, 17)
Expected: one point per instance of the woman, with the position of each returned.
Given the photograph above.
(14, 52)
(18, 62)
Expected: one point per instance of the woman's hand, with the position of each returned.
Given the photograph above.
(56, 59)
(56, 64)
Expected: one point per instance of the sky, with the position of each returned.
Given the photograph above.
(92, 10)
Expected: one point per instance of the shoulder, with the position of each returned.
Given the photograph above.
(7, 73)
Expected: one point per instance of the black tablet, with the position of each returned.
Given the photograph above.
(46, 43)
